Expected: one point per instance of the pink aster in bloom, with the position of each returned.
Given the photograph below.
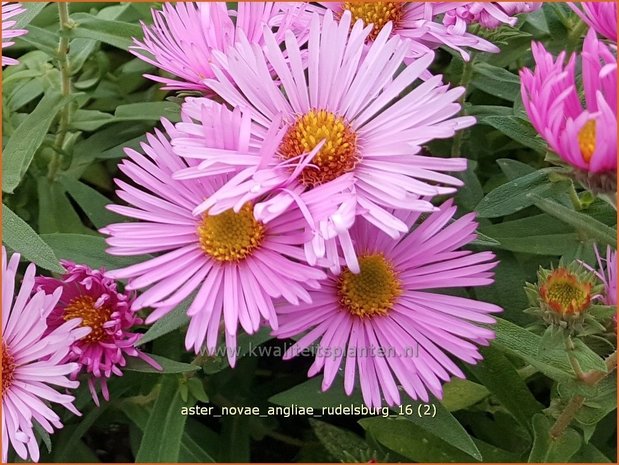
(408, 20)
(601, 16)
(10, 10)
(607, 272)
(33, 360)
(95, 299)
(345, 124)
(185, 36)
(490, 15)
(385, 325)
(584, 136)
(237, 264)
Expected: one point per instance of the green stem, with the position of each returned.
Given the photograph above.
(576, 402)
(467, 74)
(566, 417)
(570, 347)
(65, 86)
(575, 34)
(574, 198)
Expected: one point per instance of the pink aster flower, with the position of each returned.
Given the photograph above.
(408, 20)
(584, 135)
(601, 16)
(385, 328)
(185, 36)
(236, 264)
(10, 10)
(607, 272)
(490, 15)
(95, 299)
(345, 124)
(33, 361)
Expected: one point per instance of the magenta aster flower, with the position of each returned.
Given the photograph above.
(95, 299)
(184, 38)
(490, 15)
(583, 135)
(10, 10)
(340, 125)
(385, 325)
(236, 263)
(33, 361)
(601, 16)
(408, 20)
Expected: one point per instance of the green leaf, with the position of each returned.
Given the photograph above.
(63, 454)
(538, 234)
(92, 202)
(547, 450)
(90, 120)
(42, 40)
(468, 198)
(43, 435)
(582, 223)
(88, 250)
(496, 81)
(165, 427)
(32, 10)
(177, 318)
(497, 374)
(588, 453)
(340, 443)
(147, 111)
(413, 442)
(116, 33)
(167, 366)
(517, 129)
(459, 394)
(20, 237)
(444, 426)
(191, 451)
(27, 138)
(515, 195)
(524, 344)
(310, 394)
(56, 213)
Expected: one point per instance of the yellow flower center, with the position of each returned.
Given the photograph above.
(230, 236)
(564, 293)
(337, 156)
(373, 291)
(8, 369)
(84, 307)
(376, 13)
(586, 140)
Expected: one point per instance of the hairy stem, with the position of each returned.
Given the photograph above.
(569, 347)
(566, 417)
(65, 86)
(576, 402)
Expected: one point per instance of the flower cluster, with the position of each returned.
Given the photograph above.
(294, 192)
